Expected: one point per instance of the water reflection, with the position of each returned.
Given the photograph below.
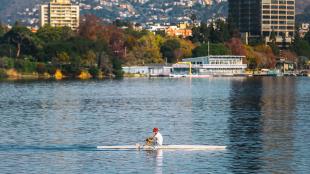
(278, 117)
(244, 125)
(157, 156)
(260, 127)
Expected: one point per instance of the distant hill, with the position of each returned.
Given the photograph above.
(12, 10)
(301, 4)
(305, 16)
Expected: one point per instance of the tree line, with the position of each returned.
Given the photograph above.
(98, 47)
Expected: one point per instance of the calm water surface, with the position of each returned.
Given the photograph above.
(54, 127)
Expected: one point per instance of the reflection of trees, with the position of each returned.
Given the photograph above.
(244, 125)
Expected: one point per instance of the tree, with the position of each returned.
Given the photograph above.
(215, 49)
(273, 37)
(170, 50)
(236, 46)
(186, 47)
(89, 59)
(307, 37)
(275, 48)
(147, 50)
(62, 58)
(89, 27)
(200, 34)
(302, 48)
(2, 30)
(284, 44)
(24, 40)
(49, 34)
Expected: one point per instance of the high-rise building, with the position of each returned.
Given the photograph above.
(60, 13)
(274, 20)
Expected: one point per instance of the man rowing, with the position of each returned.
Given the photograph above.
(156, 139)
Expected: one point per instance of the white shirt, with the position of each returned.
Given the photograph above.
(158, 139)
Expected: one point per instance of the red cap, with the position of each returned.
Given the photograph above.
(155, 129)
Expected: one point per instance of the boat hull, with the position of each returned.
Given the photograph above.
(164, 147)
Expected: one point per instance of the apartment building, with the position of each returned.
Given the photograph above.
(273, 20)
(60, 13)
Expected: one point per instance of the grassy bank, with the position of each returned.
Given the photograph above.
(26, 69)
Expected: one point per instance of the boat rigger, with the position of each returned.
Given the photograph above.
(163, 147)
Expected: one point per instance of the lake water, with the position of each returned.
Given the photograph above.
(54, 127)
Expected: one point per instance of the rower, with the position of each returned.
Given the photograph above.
(158, 138)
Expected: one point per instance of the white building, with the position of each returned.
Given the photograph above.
(223, 65)
(303, 29)
(60, 13)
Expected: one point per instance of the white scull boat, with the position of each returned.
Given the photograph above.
(164, 147)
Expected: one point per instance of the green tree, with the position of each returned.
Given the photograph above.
(147, 50)
(117, 68)
(200, 34)
(302, 48)
(275, 48)
(215, 49)
(23, 39)
(89, 59)
(49, 34)
(170, 50)
(2, 30)
(307, 37)
(62, 58)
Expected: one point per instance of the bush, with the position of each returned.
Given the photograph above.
(6, 63)
(51, 69)
(25, 66)
(94, 71)
(71, 71)
(117, 68)
(3, 73)
(29, 66)
(41, 68)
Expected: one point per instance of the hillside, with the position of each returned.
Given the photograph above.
(26, 11)
(301, 5)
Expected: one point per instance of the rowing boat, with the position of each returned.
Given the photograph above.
(164, 147)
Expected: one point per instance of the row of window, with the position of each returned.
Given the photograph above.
(278, 17)
(278, 12)
(279, 22)
(278, 7)
(279, 27)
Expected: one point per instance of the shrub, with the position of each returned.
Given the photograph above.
(117, 68)
(94, 71)
(6, 63)
(51, 69)
(41, 68)
(72, 71)
(29, 66)
(3, 73)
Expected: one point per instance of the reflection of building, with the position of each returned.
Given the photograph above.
(244, 126)
(60, 13)
(264, 18)
(278, 120)
(261, 125)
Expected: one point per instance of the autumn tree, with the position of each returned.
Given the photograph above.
(89, 27)
(236, 46)
(147, 50)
